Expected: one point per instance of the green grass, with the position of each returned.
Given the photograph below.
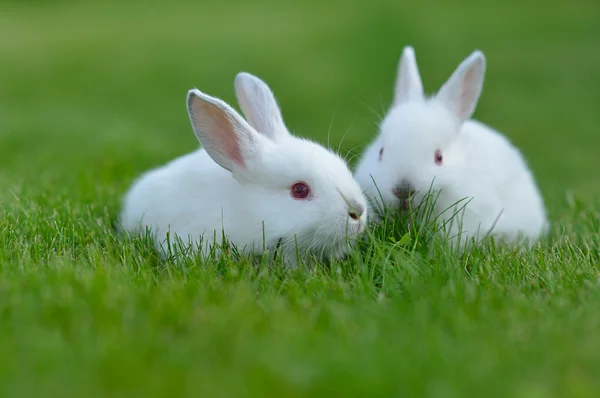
(92, 95)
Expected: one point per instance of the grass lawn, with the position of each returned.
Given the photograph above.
(91, 95)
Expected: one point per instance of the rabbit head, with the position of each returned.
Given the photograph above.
(305, 194)
(417, 148)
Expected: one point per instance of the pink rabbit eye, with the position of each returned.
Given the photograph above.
(300, 190)
(438, 157)
(380, 153)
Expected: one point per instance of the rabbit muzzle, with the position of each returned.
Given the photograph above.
(404, 192)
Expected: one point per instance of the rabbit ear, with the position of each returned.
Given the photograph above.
(462, 90)
(224, 134)
(408, 83)
(259, 106)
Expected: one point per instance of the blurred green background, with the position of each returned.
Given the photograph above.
(98, 88)
(93, 93)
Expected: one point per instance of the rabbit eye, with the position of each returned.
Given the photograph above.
(438, 157)
(381, 153)
(300, 190)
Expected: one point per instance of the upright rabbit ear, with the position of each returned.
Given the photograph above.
(462, 90)
(224, 134)
(259, 106)
(408, 83)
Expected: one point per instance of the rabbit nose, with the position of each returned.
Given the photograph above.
(403, 190)
(356, 210)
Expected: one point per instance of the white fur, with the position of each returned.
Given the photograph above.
(480, 166)
(239, 184)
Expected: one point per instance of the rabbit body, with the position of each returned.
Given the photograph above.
(479, 182)
(252, 183)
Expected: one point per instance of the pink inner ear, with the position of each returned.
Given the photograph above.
(466, 90)
(224, 134)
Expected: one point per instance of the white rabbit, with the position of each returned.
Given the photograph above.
(252, 180)
(430, 143)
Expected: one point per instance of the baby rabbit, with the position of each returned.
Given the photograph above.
(252, 182)
(432, 145)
